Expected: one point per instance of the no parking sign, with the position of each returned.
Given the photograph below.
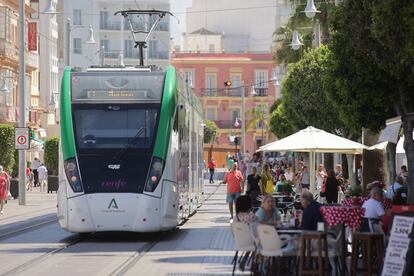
(21, 138)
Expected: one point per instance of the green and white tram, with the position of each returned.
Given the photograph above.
(131, 154)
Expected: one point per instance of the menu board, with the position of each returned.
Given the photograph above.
(397, 255)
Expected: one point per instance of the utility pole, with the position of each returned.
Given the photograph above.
(243, 124)
(22, 103)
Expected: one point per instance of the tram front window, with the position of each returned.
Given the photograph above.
(115, 127)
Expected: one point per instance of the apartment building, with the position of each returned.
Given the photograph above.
(112, 33)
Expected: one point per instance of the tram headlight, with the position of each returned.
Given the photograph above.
(72, 174)
(155, 174)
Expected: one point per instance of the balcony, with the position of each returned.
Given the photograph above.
(214, 92)
(9, 50)
(261, 92)
(8, 113)
(225, 124)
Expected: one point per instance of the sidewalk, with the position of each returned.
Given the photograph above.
(39, 207)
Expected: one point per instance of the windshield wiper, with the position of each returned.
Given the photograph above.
(124, 150)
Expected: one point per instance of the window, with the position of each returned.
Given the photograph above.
(235, 115)
(77, 17)
(211, 113)
(153, 49)
(77, 46)
(128, 48)
(211, 84)
(189, 77)
(261, 79)
(104, 43)
(103, 19)
(35, 7)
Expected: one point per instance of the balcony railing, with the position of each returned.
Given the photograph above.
(158, 55)
(225, 124)
(261, 92)
(215, 92)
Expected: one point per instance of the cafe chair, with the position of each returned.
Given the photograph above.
(314, 245)
(270, 246)
(243, 241)
(363, 244)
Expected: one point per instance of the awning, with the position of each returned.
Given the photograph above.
(391, 132)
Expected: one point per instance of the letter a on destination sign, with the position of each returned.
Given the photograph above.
(113, 204)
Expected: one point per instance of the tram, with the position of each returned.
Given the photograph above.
(131, 150)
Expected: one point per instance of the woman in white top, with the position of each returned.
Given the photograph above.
(320, 176)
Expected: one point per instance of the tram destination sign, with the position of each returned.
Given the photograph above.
(117, 94)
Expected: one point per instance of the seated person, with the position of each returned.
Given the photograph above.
(374, 211)
(282, 182)
(311, 211)
(268, 213)
(244, 210)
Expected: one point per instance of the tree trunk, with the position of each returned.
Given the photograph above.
(391, 172)
(408, 122)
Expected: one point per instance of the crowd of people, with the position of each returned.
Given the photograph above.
(258, 204)
(36, 176)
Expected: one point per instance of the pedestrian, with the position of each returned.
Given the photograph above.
(4, 187)
(35, 165)
(304, 178)
(289, 174)
(211, 167)
(253, 189)
(392, 190)
(30, 180)
(42, 171)
(266, 181)
(320, 176)
(234, 181)
(331, 188)
(404, 173)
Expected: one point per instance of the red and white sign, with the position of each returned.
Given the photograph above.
(21, 138)
(32, 36)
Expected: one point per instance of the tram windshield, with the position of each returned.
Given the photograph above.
(115, 126)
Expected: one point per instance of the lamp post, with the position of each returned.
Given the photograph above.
(69, 28)
(243, 124)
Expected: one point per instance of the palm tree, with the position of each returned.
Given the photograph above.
(260, 115)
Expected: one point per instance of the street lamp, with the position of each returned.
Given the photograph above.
(69, 29)
(310, 10)
(296, 43)
(50, 9)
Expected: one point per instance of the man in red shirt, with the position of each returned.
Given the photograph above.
(211, 167)
(234, 180)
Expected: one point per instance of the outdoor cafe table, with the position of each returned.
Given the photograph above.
(343, 215)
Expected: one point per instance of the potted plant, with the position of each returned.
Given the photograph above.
(52, 163)
(355, 193)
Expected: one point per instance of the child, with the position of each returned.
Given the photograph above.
(30, 180)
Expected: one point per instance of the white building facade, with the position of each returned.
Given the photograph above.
(112, 33)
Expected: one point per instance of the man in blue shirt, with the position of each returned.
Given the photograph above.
(311, 212)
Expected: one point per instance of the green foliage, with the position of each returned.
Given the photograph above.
(15, 170)
(304, 101)
(7, 147)
(210, 131)
(356, 190)
(52, 155)
(299, 21)
(279, 123)
(260, 114)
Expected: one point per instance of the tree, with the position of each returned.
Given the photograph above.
(304, 101)
(260, 114)
(7, 147)
(210, 131)
(373, 60)
(52, 155)
(279, 124)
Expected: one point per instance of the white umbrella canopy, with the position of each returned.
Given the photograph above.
(312, 139)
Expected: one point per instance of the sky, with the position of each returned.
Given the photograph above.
(178, 8)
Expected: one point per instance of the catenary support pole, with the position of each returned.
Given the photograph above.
(22, 103)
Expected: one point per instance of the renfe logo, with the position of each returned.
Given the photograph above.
(114, 166)
(112, 204)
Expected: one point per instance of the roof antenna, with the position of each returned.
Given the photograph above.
(141, 44)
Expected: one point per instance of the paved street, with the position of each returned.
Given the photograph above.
(202, 246)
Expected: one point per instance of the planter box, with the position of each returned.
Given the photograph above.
(14, 187)
(52, 183)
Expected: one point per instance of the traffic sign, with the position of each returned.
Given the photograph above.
(21, 138)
